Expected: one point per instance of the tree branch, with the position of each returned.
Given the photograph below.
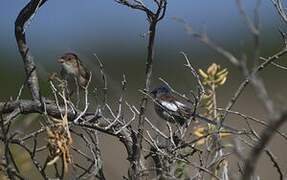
(266, 136)
(24, 16)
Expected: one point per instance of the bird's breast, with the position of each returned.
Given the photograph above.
(70, 69)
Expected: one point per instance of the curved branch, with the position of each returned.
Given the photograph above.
(26, 13)
(266, 136)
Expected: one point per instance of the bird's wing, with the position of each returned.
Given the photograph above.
(183, 109)
(84, 74)
(174, 107)
(169, 106)
(84, 71)
(167, 102)
(180, 105)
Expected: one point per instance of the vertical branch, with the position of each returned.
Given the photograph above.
(105, 81)
(149, 61)
(153, 19)
(150, 58)
(30, 68)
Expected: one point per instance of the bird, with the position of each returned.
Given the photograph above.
(73, 68)
(169, 108)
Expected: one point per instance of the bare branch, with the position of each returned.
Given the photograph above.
(29, 64)
(259, 68)
(28, 106)
(153, 18)
(266, 136)
(280, 9)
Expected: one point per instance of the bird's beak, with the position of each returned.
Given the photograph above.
(61, 60)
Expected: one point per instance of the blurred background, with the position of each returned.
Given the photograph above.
(117, 35)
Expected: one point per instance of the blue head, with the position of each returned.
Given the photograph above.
(161, 90)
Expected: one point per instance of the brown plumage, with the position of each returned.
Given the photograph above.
(72, 67)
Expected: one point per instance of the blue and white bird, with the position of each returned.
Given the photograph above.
(171, 109)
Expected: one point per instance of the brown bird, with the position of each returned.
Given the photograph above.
(73, 68)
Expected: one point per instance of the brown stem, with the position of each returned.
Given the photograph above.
(150, 57)
(26, 13)
(153, 19)
(266, 136)
(29, 106)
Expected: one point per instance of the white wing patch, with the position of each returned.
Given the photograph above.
(170, 106)
(179, 104)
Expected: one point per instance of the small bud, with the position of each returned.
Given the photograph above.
(203, 74)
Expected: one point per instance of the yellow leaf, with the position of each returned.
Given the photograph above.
(212, 70)
(222, 75)
(223, 81)
(218, 80)
(222, 72)
(200, 132)
(203, 74)
(224, 134)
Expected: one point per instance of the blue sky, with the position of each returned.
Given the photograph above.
(68, 21)
(114, 32)
(103, 26)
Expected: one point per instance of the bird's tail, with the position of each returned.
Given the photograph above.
(213, 122)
